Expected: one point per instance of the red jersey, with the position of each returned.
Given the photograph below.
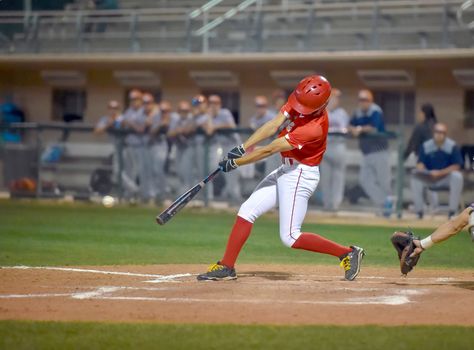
(307, 133)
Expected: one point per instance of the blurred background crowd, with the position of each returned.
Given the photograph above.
(139, 99)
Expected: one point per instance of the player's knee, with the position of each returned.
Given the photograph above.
(246, 212)
(289, 237)
(456, 176)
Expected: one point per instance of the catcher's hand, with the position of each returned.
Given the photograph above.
(408, 251)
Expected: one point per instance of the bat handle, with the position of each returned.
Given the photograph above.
(212, 175)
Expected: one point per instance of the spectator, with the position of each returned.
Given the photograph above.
(221, 118)
(201, 120)
(278, 100)
(157, 121)
(112, 121)
(423, 130)
(375, 173)
(135, 162)
(262, 115)
(333, 167)
(439, 166)
(11, 113)
(181, 133)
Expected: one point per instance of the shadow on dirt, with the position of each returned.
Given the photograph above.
(269, 275)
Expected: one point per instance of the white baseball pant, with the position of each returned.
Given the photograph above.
(289, 187)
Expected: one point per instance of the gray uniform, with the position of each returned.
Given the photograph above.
(136, 162)
(274, 161)
(375, 175)
(256, 121)
(128, 184)
(220, 145)
(198, 142)
(184, 152)
(333, 167)
(158, 148)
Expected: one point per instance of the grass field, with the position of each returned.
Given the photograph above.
(65, 234)
(55, 335)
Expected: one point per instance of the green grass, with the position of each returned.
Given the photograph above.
(33, 233)
(56, 335)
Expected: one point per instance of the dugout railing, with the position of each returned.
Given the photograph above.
(39, 138)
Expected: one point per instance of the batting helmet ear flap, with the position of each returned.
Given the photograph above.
(311, 94)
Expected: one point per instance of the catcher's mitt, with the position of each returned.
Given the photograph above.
(403, 243)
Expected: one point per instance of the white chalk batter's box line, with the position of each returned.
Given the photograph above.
(176, 277)
(395, 296)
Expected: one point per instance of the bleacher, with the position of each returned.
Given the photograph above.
(266, 26)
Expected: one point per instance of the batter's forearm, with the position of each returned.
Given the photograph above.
(278, 145)
(258, 136)
(255, 156)
(450, 169)
(265, 131)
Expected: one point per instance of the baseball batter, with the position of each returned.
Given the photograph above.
(302, 144)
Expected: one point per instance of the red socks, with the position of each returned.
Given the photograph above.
(238, 236)
(307, 241)
(318, 244)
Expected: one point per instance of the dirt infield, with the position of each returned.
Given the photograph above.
(270, 294)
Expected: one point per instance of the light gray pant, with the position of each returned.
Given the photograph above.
(185, 165)
(137, 166)
(375, 176)
(333, 175)
(158, 153)
(232, 179)
(199, 158)
(454, 181)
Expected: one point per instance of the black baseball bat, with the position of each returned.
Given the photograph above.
(184, 199)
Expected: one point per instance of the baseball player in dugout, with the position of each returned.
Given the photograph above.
(202, 127)
(181, 133)
(222, 119)
(375, 174)
(333, 167)
(135, 143)
(301, 143)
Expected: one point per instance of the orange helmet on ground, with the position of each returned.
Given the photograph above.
(311, 95)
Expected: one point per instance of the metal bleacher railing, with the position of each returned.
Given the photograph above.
(244, 26)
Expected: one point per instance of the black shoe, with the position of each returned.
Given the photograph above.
(218, 272)
(351, 263)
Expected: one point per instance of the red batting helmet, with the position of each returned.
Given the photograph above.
(311, 94)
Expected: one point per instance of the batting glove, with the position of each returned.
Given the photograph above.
(227, 165)
(236, 152)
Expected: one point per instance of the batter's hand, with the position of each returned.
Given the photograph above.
(236, 152)
(227, 165)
